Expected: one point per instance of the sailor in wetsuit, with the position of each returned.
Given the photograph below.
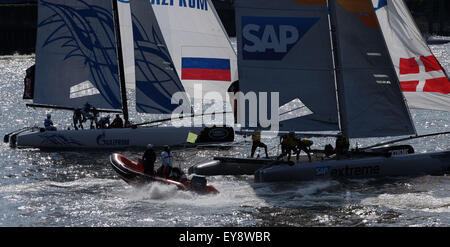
(148, 160)
(342, 146)
(304, 145)
(288, 144)
(117, 122)
(48, 123)
(77, 119)
(256, 138)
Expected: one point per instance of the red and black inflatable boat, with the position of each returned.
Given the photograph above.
(133, 173)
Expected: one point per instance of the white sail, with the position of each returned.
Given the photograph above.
(198, 44)
(284, 46)
(424, 82)
(76, 55)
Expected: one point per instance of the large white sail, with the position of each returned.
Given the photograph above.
(284, 46)
(76, 54)
(198, 44)
(156, 77)
(424, 82)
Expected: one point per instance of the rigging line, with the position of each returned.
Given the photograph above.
(405, 139)
(335, 64)
(181, 117)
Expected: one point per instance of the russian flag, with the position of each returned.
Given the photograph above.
(208, 69)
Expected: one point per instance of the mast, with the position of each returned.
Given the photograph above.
(336, 65)
(123, 89)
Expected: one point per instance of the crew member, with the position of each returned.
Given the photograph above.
(342, 146)
(167, 163)
(86, 111)
(148, 160)
(94, 118)
(117, 122)
(304, 145)
(103, 123)
(48, 123)
(77, 119)
(288, 144)
(256, 138)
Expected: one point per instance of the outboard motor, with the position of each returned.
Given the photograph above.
(198, 184)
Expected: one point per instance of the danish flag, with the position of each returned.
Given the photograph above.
(423, 74)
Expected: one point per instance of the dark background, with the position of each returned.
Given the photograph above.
(18, 21)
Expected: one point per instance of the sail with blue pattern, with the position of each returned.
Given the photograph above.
(76, 54)
(156, 77)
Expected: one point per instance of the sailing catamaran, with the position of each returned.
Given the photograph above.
(79, 60)
(348, 63)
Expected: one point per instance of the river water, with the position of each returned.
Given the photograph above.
(73, 188)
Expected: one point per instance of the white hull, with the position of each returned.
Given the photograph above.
(114, 138)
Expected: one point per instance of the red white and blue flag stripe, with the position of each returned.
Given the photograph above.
(208, 69)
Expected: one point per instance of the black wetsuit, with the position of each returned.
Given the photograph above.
(148, 161)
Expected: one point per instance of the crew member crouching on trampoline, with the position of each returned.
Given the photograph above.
(304, 145)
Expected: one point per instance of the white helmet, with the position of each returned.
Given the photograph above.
(149, 146)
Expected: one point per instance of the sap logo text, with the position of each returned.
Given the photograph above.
(193, 4)
(271, 38)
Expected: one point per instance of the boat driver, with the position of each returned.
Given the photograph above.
(148, 160)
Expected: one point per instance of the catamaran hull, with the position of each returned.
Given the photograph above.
(230, 166)
(119, 138)
(376, 167)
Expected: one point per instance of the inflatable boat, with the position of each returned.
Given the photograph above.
(133, 173)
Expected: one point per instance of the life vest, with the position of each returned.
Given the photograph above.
(48, 123)
(167, 159)
(342, 143)
(256, 138)
(289, 140)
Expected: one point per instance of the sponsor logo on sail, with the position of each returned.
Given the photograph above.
(193, 4)
(271, 38)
